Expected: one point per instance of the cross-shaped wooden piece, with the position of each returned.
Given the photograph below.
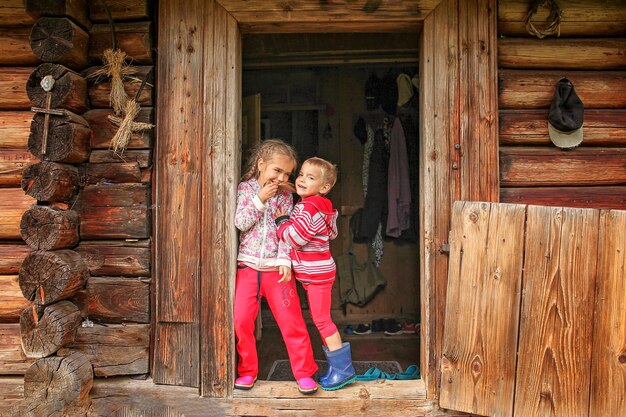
(47, 83)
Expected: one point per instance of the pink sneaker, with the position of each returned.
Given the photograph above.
(245, 382)
(307, 386)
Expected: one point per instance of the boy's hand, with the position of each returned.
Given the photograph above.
(285, 273)
(267, 191)
(280, 211)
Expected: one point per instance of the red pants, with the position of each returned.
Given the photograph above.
(285, 305)
(319, 296)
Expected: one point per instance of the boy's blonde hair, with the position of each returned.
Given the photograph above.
(329, 170)
(266, 150)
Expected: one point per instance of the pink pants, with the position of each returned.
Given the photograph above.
(285, 305)
(319, 296)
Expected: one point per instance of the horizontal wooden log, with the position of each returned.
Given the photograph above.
(117, 211)
(333, 26)
(534, 89)
(15, 47)
(103, 130)
(59, 40)
(114, 349)
(100, 88)
(50, 181)
(58, 386)
(115, 300)
(74, 9)
(50, 276)
(13, 204)
(113, 173)
(12, 88)
(13, 13)
(11, 257)
(12, 302)
(581, 18)
(69, 91)
(534, 166)
(116, 257)
(48, 228)
(14, 129)
(568, 54)
(134, 38)
(13, 361)
(67, 139)
(46, 330)
(120, 10)
(143, 157)
(608, 197)
(12, 165)
(530, 127)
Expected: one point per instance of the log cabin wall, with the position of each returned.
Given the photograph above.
(590, 52)
(114, 198)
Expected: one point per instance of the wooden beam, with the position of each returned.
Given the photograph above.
(120, 10)
(13, 203)
(100, 88)
(14, 129)
(609, 197)
(12, 164)
(13, 13)
(134, 38)
(116, 257)
(13, 361)
(15, 47)
(13, 88)
(12, 301)
(12, 256)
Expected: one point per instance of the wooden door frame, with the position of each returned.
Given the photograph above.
(197, 163)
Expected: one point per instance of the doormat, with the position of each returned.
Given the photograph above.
(281, 369)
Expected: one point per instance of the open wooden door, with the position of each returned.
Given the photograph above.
(250, 125)
(535, 321)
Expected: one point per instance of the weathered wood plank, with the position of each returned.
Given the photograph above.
(120, 10)
(14, 129)
(15, 47)
(11, 257)
(13, 13)
(114, 211)
(13, 88)
(608, 372)
(478, 371)
(169, 353)
(555, 339)
(115, 349)
(134, 38)
(12, 302)
(13, 204)
(568, 54)
(103, 130)
(117, 173)
(582, 18)
(142, 156)
(12, 164)
(583, 197)
(74, 9)
(13, 361)
(115, 300)
(534, 166)
(522, 89)
(335, 26)
(606, 127)
(116, 257)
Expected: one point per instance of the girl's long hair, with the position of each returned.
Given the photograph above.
(266, 150)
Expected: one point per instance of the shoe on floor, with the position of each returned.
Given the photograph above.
(378, 325)
(307, 386)
(245, 382)
(392, 327)
(363, 329)
(409, 327)
(348, 329)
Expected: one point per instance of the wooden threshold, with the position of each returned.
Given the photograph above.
(267, 398)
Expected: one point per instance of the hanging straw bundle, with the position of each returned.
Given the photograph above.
(127, 126)
(117, 69)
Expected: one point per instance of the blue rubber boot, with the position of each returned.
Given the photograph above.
(324, 377)
(340, 369)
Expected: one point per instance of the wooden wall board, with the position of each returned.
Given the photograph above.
(13, 361)
(608, 371)
(542, 166)
(13, 203)
(607, 197)
(592, 18)
(174, 350)
(12, 163)
(116, 257)
(534, 89)
(12, 301)
(11, 257)
(13, 13)
(13, 88)
(14, 129)
(134, 38)
(120, 10)
(478, 371)
(16, 48)
(555, 337)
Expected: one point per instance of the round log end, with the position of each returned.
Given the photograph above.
(47, 228)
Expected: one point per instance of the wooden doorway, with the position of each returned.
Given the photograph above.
(199, 128)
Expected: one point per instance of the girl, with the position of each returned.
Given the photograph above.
(309, 231)
(264, 266)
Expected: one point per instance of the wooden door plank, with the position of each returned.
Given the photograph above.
(484, 282)
(608, 372)
(554, 356)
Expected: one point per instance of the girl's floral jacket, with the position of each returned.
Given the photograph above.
(259, 246)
